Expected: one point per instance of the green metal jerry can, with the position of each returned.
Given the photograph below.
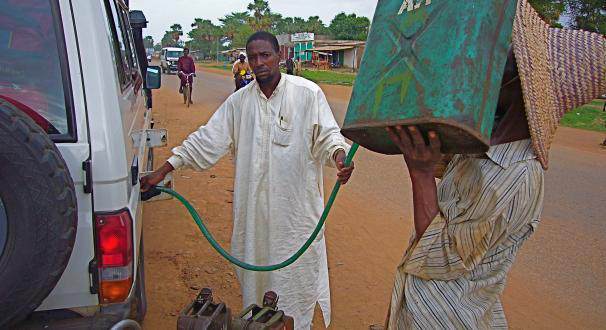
(436, 64)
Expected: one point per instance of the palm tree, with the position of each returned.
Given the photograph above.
(261, 12)
(176, 30)
(314, 24)
(233, 23)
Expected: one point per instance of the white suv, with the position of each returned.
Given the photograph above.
(75, 117)
(169, 58)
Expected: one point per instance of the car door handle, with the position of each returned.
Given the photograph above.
(134, 171)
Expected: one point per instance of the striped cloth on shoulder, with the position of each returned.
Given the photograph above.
(453, 276)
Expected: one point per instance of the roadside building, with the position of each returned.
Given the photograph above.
(337, 53)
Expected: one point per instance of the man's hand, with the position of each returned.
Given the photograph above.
(344, 172)
(421, 160)
(419, 156)
(148, 181)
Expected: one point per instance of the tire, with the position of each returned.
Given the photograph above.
(41, 212)
(187, 95)
(139, 304)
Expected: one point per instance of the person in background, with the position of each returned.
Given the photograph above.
(240, 65)
(298, 67)
(186, 66)
(290, 66)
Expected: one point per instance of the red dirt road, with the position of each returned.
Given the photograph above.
(557, 282)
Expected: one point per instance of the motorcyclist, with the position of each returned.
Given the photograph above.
(239, 66)
(185, 66)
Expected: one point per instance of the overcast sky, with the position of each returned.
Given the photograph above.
(161, 14)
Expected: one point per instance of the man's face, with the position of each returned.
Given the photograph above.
(186, 52)
(242, 58)
(264, 60)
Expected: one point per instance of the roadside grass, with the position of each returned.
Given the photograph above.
(589, 117)
(215, 65)
(329, 77)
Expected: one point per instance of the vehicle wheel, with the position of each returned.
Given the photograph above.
(139, 305)
(38, 217)
(187, 95)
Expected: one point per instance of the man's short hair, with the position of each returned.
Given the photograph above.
(263, 35)
(186, 49)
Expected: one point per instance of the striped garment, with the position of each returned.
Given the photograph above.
(453, 277)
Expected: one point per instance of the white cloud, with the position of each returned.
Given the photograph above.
(161, 14)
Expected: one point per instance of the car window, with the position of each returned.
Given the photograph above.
(174, 54)
(33, 64)
(128, 34)
(123, 55)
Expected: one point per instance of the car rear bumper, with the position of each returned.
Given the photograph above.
(108, 317)
(104, 322)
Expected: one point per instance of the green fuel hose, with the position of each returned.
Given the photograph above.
(194, 214)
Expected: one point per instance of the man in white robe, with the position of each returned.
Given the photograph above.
(283, 132)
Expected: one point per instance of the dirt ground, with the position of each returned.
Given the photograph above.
(557, 283)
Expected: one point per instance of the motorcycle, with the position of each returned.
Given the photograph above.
(244, 78)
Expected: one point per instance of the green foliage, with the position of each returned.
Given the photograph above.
(240, 39)
(157, 47)
(235, 28)
(349, 27)
(148, 42)
(171, 37)
(588, 15)
(261, 19)
(205, 37)
(550, 10)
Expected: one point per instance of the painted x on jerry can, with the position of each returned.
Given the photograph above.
(437, 64)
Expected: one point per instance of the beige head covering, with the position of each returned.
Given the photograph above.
(560, 69)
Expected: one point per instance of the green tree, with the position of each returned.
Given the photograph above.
(158, 47)
(205, 37)
(350, 27)
(148, 42)
(549, 10)
(171, 37)
(588, 15)
(294, 25)
(314, 24)
(235, 28)
(275, 22)
(260, 20)
(283, 25)
(240, 39)
(299, 25)
(289, 25)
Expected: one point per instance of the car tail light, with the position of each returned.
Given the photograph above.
(114, 255)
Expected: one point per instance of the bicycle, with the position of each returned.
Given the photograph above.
(187, 88)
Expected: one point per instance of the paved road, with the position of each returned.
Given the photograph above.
(558, 280)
